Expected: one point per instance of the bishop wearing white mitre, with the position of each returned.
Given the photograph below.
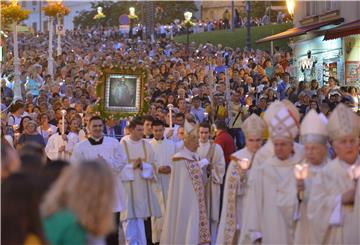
(332, 198)
(314, 136)
(261, 156)
(236, 181)
(274, 191)
(186, 220)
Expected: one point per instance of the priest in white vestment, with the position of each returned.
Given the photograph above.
(274, 192)
(186, 220)
(164, 151)
(314, 136)
(108, 150)
(214, 173)
(236, 182)
(56, 146)
(261, 156)
(332, 199)
(139, 179)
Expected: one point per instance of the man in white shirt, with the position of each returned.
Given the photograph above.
(108, 150)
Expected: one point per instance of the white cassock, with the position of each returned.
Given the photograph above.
(73, 139)
(140, 186)
(273, 202)
(233, 201)
(303, 233)
(164, 150)
(52, 148)
(186, 220)
(215, 155)
(333, 222)
(115, 158)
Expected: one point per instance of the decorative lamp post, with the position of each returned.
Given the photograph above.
(290, 4)
(54, 10)
(187, 24)
(132, 17)
(12, 13)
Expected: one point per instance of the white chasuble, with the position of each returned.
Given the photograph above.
(333, 222)
(303, 233)
(233, 200)
(273, 196)
(186, 220)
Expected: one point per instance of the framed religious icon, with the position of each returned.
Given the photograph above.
(122, 91)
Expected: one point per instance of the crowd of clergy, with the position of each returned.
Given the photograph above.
(300, 186)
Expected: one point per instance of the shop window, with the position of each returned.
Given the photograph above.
(23, 4)
(34, 3)
(328, 5)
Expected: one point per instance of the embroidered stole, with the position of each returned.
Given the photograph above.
(195, 173)
(130, 182)
(230, 220)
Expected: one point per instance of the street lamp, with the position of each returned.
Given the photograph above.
(188, 24)
(290, 6)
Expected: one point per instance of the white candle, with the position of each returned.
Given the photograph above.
(63, 112)
(354, 172)
(170, 106)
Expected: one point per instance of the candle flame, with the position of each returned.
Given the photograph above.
(301, 171)
(244, 163)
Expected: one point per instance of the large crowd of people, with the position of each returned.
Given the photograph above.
(245, 154)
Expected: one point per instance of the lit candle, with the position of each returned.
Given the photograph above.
(170, 106)
(244, 163)
(49, 131)
(63, 112)
(301, 173)
(354, 172)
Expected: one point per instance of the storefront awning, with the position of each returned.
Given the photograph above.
(351, 28)
(297, 31)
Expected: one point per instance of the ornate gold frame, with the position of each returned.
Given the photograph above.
(103, 92)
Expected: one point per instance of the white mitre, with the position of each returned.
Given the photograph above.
(343, 122)
(284, 125)
(253, 126)
(271, 111)
(314, 128)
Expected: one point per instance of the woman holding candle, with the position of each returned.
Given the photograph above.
(236, 182)
(332, 198)
(314, 135)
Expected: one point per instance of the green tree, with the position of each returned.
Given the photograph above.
(166, 12)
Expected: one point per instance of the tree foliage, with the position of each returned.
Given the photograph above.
(165, 12)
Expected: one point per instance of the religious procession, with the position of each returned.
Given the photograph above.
(124, 134)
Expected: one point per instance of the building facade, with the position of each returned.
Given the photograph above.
(39, 22)
(338, 57)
